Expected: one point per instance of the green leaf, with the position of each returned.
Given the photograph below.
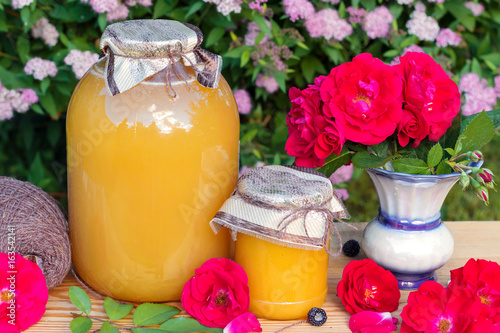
(262, 23)
(44, 85)
(148, 314)
(80, 325)
(476, 67)
(365, 160)
(381, 149)
(102, 21)
(183, 324)
(80, 299)
(443, 168)
(477, 133)
(25, 17)
(464, 15)
(3, 22)
(23, 48)
(116, 310)
(450, 151)
(333, 162)
(250, 135)
(409, 165)
(435, 155)
(37, 109)
(48, 103)
(214, 36)
(37, 171)
(311, 65)
(493, 114)
(193, 8)
(162, 7)
(245, 58)
(108, 328)
(236, 52)
(302, 45)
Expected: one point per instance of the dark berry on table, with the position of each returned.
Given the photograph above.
(317, 316)
(351, 248)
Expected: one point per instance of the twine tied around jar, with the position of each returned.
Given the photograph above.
(138, 49)
(293, 207)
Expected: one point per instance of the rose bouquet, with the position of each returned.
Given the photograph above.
(402, 118)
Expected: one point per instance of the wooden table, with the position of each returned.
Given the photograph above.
(472, 240)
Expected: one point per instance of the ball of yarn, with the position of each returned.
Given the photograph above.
(40, 228)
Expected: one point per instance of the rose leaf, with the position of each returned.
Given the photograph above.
(108, 328)
(148, 314)
(435, 155)
(116, 310)
(80, 325)
(80, 299)
(183, 324)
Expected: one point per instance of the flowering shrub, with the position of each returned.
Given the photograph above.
(267, 47)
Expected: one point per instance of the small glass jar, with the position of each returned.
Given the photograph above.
(284, 282)
(148, 170)
(281, 219)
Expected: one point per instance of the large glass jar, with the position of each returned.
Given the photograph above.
(147, 172)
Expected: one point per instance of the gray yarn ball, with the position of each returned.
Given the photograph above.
(40, 228)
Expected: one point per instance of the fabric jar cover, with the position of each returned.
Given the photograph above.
(289, 206)
(138, 49)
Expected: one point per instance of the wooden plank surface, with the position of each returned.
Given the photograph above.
(472, 240)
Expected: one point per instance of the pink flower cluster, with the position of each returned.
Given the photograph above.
(478, 96)
(18, 100)
(476, 8)
(327, 23)
(257, 5)
(267, 82)
(46, 31)
(253, 31)
(243, 101)
(40, 68)
(80, 61)
(298, 9)
(423, 26)
(342, 175)
(356, 15)
(277, 54)
(18, 4)
(411, 48)
(377, 23)
(115, 9)
(448, 37)
(226, 7)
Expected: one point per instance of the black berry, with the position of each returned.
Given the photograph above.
(351, 248)
(317, 317)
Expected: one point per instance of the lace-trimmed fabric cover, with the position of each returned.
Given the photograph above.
(290, 206)
(138, 49)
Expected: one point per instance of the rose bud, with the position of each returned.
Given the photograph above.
(482, 193)
(464, 180)
(485, 176)
(476, 156)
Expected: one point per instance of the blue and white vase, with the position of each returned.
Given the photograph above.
(408, 237)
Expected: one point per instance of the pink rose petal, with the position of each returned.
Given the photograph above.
(372, 322)
(244, 323)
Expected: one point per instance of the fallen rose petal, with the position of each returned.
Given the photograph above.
(372, 322)
(244, 323)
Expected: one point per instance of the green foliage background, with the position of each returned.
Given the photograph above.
(32, 145)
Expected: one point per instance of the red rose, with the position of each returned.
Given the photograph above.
(482, 278)
(365, 286)
(432, 309)
(428, 88)
(217, 294)
(413, 126)
(484, 325)
(22, 304)
(312, 137)
(364, 97)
